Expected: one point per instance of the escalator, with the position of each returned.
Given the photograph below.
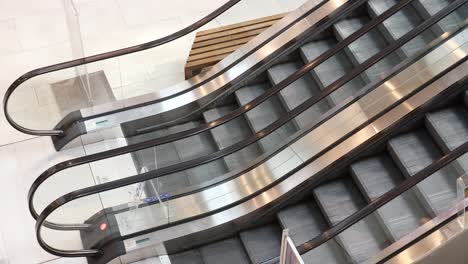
(185, 98)
(366, 179)
(405, 153)
(320, 78)
(321, 95)
(401, 153)
(204, 143)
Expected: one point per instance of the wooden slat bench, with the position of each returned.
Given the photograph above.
(211, 46)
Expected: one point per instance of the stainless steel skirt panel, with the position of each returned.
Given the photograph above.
(423, 248)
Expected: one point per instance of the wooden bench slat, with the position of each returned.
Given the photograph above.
(213, 45)
(229, 38)
(238, 25)
(236, 31)
(237, 42)
(213, 53)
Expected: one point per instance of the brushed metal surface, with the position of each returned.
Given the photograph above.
(217, 83)
(426, 245)
(330, 131)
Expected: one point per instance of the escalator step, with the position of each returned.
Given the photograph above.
(431, 7)
(340, 199)
(264, 114)
(449, 128)
(298, 92)
(378, 175)
(401, 23)
(331, 70)
(229, 251)
(159, 157)
(366, 46)
(187, 257)
(304, 222)
(414, 151)
(262, 243)
(231, 133)
(196, 146)
(330, 253)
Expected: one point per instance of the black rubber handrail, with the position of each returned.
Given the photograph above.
(87, 191)
(236, 113)
(152, 44)
(116, 184)
(389, 196)
(333, 16)
(383, 200)
(217, 155)
(325, 150)
(105, 187)
(99, 57)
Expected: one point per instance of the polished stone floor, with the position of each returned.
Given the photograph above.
(34, 34)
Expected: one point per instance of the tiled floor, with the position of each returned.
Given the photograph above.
(35, 33)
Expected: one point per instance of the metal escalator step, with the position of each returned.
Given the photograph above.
(431, 7)
(298, 92)
(330, 253)
(231, 133)
(376, 176)
(264, 114)
(187, 257)
(414, 151)
(365, 47)
(340, 199)
(434, 6)
(197, 146)
(304, 222)
(229, 251)
(159, 157)
(449, 128)
(331, 70)
(262, 243)
(401, 23)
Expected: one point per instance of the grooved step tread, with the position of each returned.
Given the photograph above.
(376, 176)
(414, 151)
(450, 22)
(304, 222)
(159, 157)
(194, 147)
(401, 23)
(262, 243)
(230, 251)
(264, 115)
(340, 199)
(231, 133)
(366, 46)
(331, 70)
(187, 257)
(298, 92)
(449, 128)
